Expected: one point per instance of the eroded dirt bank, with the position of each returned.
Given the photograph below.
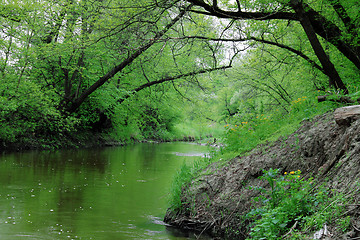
(216, 201)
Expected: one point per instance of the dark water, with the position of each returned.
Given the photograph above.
(110, 193)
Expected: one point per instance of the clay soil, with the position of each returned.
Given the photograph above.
(218, 198)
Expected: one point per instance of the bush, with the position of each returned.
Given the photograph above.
(27, 111)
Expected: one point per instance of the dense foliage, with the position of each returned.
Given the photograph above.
(161, 69)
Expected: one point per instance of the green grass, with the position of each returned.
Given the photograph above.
(198, 130)
(243, 135)
(183, 178)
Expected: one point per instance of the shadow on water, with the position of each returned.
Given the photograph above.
(179, 233)
(109, 193)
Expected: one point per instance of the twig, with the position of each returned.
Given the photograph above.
(205, 228)
(291, 229)
(355, 228)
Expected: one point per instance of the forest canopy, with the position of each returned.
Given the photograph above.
(156, 69)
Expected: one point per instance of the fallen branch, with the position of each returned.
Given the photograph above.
(339, 99)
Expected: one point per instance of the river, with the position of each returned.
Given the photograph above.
(106, 193)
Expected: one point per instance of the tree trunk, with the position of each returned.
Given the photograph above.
(329, 68)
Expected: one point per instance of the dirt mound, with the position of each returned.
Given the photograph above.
(216, 201)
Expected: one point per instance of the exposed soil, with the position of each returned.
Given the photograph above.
(216, 201)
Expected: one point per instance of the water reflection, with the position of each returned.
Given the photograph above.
(111, 193)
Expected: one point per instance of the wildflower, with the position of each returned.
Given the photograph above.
(292, 172)
(285, 173)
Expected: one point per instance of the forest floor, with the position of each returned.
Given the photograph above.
(216, 201)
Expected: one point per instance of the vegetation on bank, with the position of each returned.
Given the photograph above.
(292, 204)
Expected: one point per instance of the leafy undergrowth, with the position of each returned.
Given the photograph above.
(294, 205)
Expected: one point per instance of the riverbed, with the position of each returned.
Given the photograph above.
(105, 193)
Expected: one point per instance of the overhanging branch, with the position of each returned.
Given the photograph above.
(293, 50)
(322, 26)
(167, 79)
(75, 104)
(213, 10)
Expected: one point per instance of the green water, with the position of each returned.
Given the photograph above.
(108, 193)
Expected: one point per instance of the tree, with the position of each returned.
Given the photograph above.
(341, 33)
(87, 58)
(69, 55)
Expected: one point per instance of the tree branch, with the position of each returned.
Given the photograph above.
(77, 102)
(297, 52)
(167, 79)
(323, 27)
(215, 11)
(345, 18)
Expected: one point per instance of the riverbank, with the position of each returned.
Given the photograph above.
(219, 198)
(66, 141)
(84, 139)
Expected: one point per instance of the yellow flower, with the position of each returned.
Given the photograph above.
(285, 173)
(292, 172)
